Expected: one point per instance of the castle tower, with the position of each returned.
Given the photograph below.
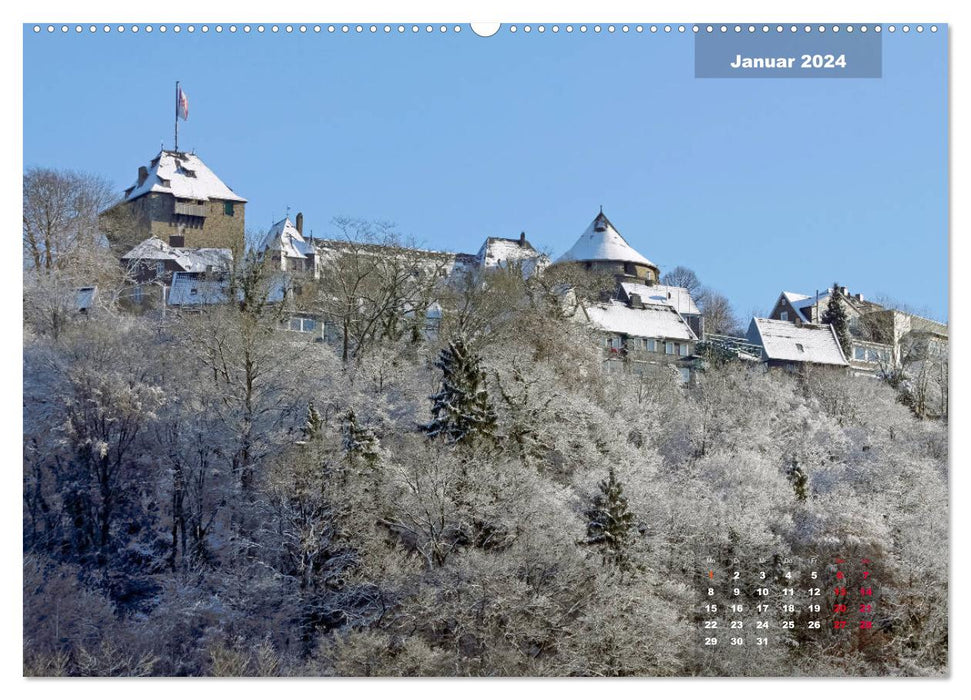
(180, 201)
(601, 248)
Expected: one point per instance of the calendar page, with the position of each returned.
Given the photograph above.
(543, 349)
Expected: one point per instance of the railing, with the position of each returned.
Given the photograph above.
(728, 343)
(189, 209)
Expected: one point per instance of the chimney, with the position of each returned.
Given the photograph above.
(300, 223)
(844, 291)
(142, 174)
(859, 297)
(635, 301)
(522, 239)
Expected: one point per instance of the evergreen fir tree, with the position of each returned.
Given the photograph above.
(314, 425)
(461, 410)
(359, 441)
(835, 315)
(610, 522)
(799, 480)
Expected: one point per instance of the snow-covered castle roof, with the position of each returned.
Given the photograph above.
(189, 259)
(601, 241)
(182, 175)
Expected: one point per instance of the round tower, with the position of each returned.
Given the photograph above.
(601, 248)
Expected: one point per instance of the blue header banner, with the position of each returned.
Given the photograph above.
(833, 51)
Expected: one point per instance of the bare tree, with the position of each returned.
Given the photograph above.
(374, 284)
(61, 215)
(718, 313)
(682, 276)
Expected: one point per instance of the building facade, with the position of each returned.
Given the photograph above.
(180, 201)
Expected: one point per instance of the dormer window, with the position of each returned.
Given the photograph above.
(800, 348)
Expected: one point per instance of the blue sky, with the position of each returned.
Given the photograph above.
(758, 185)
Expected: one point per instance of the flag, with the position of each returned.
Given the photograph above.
(182, 105)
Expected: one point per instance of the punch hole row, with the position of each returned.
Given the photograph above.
(444, 29)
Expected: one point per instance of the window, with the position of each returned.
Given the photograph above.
(685, 374)
(137, 295)
(683, 349)
(784, 315)
(669, 348)
(159, 269)
(228, 208)
(859, 354)
(177, 241)
(303, 325)
(650, 345)
(800, 348)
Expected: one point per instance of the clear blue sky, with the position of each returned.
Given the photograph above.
(758, 185)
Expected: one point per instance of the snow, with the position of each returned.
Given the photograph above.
(499, 252)
(677, 297)
(782, 340)
(601, 241)
(189, 259)
(184, 176)
(284, 237)
(653, 321)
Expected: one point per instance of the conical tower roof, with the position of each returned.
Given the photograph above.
(601, 241)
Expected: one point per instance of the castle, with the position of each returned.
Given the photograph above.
(181, 227)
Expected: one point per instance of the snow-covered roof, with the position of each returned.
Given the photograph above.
(782, 340)
(678, 297)
(184, 176)
(601, 241)
(499, 252)
(284, 237)
(799, 302)
(189, 259)
(653, 321)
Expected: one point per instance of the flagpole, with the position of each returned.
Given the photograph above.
(176, 116)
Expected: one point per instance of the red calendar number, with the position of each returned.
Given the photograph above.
(840, 608)
(866, 591)
(839, 624)
(866, 624)
(866, 607)
(840, 590)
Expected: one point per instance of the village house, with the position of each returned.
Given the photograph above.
(180, 201)
(880, 338)
(153, 263)
(791, 346)
(644, 326)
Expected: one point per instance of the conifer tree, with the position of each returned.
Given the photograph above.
(610, 522)
(461, 410)
(835, 315)
(359, 441)
(314, 425)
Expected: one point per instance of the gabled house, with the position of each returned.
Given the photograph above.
(880, 338)
(646, 337)
(153, 264)
(504, 253)
(285, 246)
(678, 298)
(790, 345)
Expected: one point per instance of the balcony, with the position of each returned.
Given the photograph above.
(190, 208)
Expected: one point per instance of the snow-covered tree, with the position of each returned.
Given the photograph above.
(610, 523)
(461, 410)
(835, 315)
